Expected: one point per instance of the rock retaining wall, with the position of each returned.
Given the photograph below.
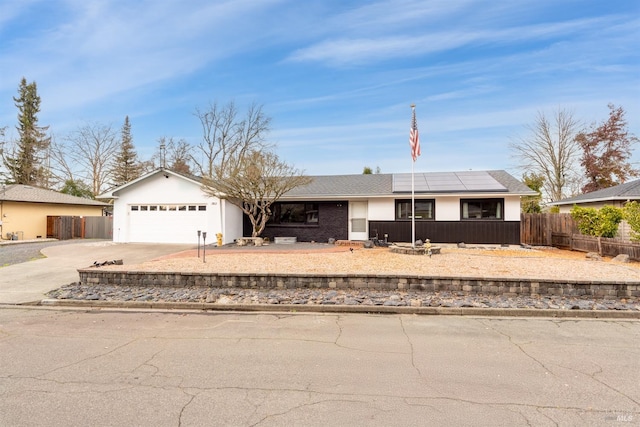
(489, 286)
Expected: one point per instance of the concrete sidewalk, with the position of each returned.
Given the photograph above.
(28, 282)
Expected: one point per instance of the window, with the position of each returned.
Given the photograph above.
(134, 208)
(424, 209)
(144, 208)
(153, 208)
(294, 213)
(482, 208)
(202, 207)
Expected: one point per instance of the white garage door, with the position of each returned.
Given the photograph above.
(167, 223)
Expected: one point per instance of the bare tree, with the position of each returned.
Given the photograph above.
(174, 154)
(550, 151)
(253, 181)
(62, 166)
(91, 149)
(225, 135)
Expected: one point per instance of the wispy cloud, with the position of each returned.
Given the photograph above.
(350, 51)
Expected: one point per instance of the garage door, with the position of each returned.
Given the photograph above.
(167, 223)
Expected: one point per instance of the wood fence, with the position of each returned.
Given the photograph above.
(561, 231)
(547, 229)
(76, 227)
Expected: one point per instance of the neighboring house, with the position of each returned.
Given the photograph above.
(24, 210)
(615, 196)
(168, 207)
(471, 206)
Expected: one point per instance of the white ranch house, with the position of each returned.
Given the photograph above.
(471, 206)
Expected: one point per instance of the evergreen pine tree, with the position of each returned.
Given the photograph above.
(26, 164)
(126, 165)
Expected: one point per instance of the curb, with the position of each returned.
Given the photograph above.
(304, 308)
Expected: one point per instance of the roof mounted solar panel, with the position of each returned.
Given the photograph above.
(447, 182)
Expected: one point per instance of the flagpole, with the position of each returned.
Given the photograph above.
(413, 210)
(413, 207)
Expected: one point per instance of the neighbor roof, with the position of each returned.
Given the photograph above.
(627, 191)
(30, 194)
(336, 186)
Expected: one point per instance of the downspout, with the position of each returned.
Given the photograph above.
(222, 230)
(1, 216)
(4, 188)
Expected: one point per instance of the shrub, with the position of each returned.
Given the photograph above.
(631, 213)
(597, 222)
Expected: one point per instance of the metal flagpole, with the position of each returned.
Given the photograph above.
(414, 152)
(413, 216)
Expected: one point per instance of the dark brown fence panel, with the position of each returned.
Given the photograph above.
(547, 229)
(53, 227)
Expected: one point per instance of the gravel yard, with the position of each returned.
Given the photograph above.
(513, 262)
(328, 259)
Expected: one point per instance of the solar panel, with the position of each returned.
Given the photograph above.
(439, 182)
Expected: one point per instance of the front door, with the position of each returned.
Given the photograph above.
(358, 229)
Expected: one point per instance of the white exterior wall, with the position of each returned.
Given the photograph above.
(447, 207)
(159, 190)
(512, 208)
(232, 220)
(382, 209)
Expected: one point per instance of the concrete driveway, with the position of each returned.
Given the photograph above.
(29, 281)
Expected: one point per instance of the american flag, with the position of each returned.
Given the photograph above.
(414, 138)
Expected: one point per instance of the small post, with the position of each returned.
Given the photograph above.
(204, 246)
(199, 243)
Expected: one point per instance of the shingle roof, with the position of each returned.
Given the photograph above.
(345, 185)
(336, 186)
(28, 193)
(627, 191)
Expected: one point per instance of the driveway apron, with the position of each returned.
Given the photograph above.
(29, 281)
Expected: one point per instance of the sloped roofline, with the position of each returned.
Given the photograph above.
(621, 192)
(331, 187)
(22, 193)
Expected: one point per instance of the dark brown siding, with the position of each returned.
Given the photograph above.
(477, 232)
(333, 220)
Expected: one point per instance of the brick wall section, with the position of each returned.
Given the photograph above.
(506, 287)
(333, 221)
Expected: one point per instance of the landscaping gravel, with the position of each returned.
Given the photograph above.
(235, 296)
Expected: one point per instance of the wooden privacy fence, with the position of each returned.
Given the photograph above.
(609, 247)
(547, 229)
(561, 231)
(76, 227)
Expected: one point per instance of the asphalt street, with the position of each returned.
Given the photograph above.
(101, 368)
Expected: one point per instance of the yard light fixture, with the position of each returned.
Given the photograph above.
(204, 246)
(199, 232)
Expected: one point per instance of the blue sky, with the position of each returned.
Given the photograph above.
(336, 76)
